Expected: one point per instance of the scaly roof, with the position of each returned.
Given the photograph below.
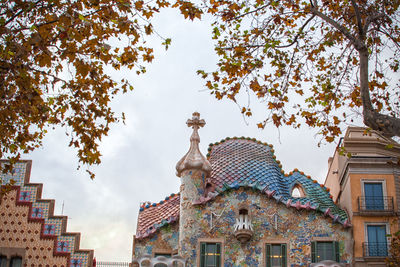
(245, 162)
(154, 216)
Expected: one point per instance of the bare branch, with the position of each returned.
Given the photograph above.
(357, 43)
(359, 22)
(298, 34)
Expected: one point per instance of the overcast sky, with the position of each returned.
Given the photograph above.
(139, 158)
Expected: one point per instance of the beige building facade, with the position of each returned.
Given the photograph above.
(363, 177)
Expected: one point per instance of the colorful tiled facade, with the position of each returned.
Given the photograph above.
(30, 230)
(364, 179)
(240, 201)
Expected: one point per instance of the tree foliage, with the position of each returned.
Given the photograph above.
(394, 252)
(55, 62)
(316, 61)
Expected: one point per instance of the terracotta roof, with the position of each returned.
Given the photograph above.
(245, 162)
(154, 216)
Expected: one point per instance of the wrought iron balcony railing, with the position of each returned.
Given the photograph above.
(376, 249)
(375, 204)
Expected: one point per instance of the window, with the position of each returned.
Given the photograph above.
(325, 250)
(16, 262)
(297, 191)
(210, 254)
(276, 255)
(377, 244)
(373, 193)
(167, 255)
(3, 261)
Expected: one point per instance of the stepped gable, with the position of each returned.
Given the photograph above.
(156, 215)
(32, 227)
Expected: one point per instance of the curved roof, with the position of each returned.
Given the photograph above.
(248, 162)
(154, 216)
(241, 160)
(245, 162)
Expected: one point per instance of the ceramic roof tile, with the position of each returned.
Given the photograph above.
(153, 216)
(246, 162)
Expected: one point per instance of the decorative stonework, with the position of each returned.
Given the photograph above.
(194, 160)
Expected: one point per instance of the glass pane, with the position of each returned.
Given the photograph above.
(162, 254)
(210, 255)
(325, 251)
(3, 261)
(377, 245)
(16, 262)
(373, 196)
(276, 255)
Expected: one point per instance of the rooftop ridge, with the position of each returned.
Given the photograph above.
(155, 204)
(211, 145)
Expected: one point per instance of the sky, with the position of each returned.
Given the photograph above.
(139, 158)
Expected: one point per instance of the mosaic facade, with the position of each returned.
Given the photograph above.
(271, 221)
(32, 230)
(242, 176)
(164, 241)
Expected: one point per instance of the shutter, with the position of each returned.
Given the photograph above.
(283, 251)
(268, 255)
(337, 251)
(313, 252)
(218, 255)
(202, 254)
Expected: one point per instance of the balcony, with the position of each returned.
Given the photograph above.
(375, 206)
(376, 250)
(243, 230)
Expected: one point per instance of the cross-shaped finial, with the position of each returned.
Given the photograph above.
(195, 122)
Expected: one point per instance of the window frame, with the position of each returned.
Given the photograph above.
(13, 258)
(375, 181)
(267, 261)
(220, 241)
(314, 249)
(387, 234)
(300, 188)
(167, 253)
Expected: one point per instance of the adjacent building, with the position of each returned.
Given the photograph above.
(363, 176)
(237, 207)
(30, 234)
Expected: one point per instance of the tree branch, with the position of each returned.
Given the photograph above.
(371, 19)
(357, 43)
(248, 13)
(298, 34)
(358, 16)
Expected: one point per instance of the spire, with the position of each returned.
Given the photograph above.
(194, 160)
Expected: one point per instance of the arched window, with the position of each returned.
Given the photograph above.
(243, 212)
(297, 191)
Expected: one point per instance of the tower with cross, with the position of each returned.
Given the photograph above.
(193, 169)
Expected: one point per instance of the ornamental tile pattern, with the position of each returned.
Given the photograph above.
(244, 162)
(40, 210)
(17, 174)
(29, 222)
